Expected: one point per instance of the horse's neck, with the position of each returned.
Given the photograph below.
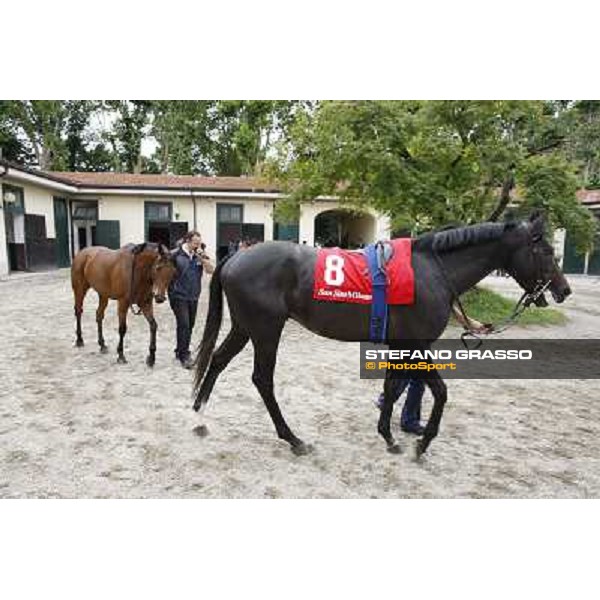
(467, 266)
(142, 274)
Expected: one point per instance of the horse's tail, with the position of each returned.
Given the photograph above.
(212, 326)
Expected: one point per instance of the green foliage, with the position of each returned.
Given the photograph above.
(430, 163)
(490, 307)
(550, 183)
(583, 140)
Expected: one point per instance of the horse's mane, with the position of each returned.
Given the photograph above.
(459, 237)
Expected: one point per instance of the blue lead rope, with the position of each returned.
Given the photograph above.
(379, 309)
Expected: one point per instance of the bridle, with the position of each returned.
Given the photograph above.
(139, 310)
(131, 288)
(524, 302)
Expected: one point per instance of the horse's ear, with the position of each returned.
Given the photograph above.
(536, 215)
(138, 248)
(537, 223)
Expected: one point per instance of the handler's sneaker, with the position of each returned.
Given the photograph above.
(415, 429)
(187, 363)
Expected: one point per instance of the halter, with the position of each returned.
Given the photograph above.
(526, 299)
(139, 310)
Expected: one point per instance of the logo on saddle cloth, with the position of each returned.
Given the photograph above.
(344, 276)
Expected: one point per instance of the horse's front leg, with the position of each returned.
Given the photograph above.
(384, 425)
(149, 314)
(440, 394)
(123, 308)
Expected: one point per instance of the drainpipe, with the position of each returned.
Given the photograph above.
(195, 228)
(3, 174)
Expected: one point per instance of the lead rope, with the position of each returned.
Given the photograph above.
(526, 299)
(139, 311)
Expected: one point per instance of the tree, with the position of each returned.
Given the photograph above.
(243, 132)
(51, 134)
(181, 129)
(430, 163)
(132, 121)
(583, 140)
(39, 123)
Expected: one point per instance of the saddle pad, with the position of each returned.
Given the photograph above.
(343, 276)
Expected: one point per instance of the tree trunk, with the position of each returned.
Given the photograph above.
(507, 186)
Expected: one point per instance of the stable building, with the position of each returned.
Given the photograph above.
(589, 263)
(47, 217)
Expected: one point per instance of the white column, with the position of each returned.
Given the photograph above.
(307, 224)
(382, 227)
(559, 245)
(269, 208)
(3, 249)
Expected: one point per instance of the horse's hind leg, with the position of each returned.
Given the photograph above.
(103, 302)
(438, 389)
(265, 356)
(231, 346)
(79, 290)
(123, 308)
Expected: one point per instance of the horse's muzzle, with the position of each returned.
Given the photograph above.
(561, 295)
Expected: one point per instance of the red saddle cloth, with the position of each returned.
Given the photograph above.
(343, 276)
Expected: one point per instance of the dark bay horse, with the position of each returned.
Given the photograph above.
(133, 275)
(272, 282)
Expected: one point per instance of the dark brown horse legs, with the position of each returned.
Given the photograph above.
(231, 346)
(79, 341)
(79, 292)
(265, 354)
(385, 416)
(439, 390)
(123, 307)
(149, 314)
(99, 318)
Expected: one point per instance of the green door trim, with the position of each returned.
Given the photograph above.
(61, 232)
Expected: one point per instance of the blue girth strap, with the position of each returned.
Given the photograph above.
(378, 326)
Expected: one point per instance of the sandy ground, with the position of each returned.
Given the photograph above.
(73, 423)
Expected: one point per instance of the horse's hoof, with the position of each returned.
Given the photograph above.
(150, 360)
(103, 349)
(201, 430)
(122, 360)
(394, 449)
(302, 449)
(79, 344)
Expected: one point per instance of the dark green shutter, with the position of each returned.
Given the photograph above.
(61, 227)
(108, 233)
(573, 262)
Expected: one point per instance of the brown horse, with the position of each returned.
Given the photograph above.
(133, 275)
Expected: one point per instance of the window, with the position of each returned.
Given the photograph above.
(230, 213)
(85, 212)
(158, 211)
(13, 199)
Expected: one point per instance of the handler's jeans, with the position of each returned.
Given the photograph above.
(185, 315)
(411, 411)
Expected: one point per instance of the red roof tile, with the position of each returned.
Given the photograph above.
(148, 181)
(589, 196)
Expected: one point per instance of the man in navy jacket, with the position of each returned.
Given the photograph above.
(184, 291)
